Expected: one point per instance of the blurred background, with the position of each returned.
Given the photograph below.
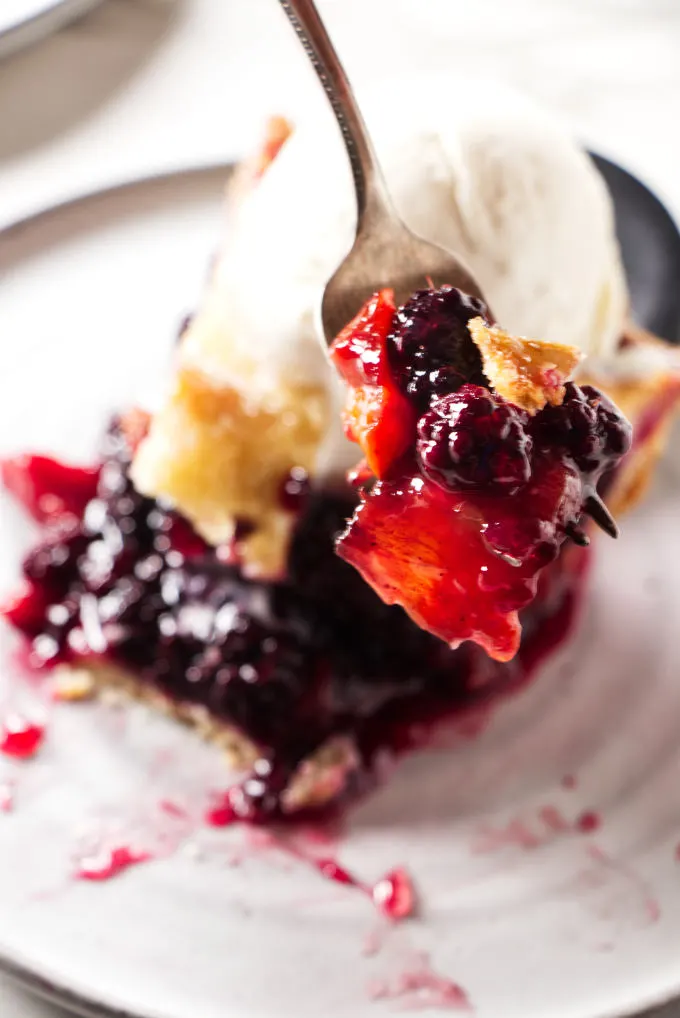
(135, 86)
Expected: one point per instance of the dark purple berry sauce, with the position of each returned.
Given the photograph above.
(291, 663)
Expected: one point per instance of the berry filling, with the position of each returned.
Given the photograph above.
(48, 489)
(479, 493)
(429, 349)
(465, 498)
(377, 415)
(291, 665)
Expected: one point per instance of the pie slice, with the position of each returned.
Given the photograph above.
(229, 432)
(194, 564)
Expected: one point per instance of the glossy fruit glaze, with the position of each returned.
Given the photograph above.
(466, 497)
(120, 577)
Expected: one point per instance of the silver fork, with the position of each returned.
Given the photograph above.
(385, 252)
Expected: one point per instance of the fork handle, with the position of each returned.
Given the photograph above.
(371, 191)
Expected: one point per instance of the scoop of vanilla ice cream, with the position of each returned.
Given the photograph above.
(472, 166)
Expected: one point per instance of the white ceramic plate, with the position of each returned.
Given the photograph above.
(530, 919)
(23, 22)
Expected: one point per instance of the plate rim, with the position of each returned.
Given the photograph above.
(26, 30)
(24, 978)
(106, 189)
(18, 973)
(80, 1005)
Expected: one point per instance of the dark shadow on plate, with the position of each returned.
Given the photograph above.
(48, 89)
(650, 244)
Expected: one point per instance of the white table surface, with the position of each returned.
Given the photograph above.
(139, 86)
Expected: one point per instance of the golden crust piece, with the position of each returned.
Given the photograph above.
(225, 439)
(221, 460)
(650, 403)
(527, 372)
(71, 685)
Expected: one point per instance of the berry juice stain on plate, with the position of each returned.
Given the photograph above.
(109, 863)
(7, 796)
(418, 987)
(393, 894)
(632, 896)
(546, 826)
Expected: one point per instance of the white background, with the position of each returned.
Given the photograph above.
(143, 85)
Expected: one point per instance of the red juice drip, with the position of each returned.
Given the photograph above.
(332, 870)
(552, 820)
(48, 488)
(171, 809)
(6, 798)
(420, 987)
(19, 737)
(109, 863)
(588, 822)
(221, 816)
(221, 813)
(394, 895)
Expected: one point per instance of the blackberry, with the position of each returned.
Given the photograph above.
(473, 439)
(430, 349)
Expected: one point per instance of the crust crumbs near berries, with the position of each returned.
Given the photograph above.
(221, 459)
(527, 372)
